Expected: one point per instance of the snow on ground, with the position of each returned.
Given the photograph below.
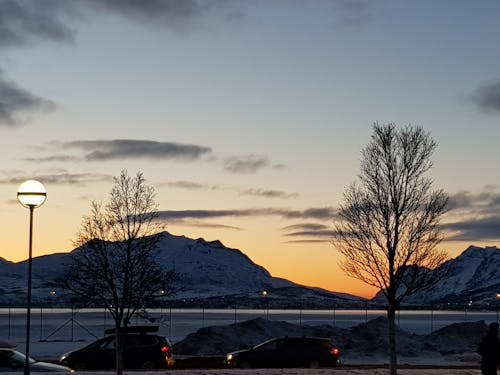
(365, 343)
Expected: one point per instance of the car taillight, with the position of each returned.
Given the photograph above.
(165, 349)
(335, 351)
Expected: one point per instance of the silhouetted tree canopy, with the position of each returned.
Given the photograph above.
(387, 231)
(115, 264)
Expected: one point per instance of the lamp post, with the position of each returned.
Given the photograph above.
(498, 297)
(31, 194)
(264, 295)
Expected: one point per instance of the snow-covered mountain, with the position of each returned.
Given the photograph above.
(473, 276)
(208, 271)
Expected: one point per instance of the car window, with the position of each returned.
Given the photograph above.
(12, 358)
(272, 345)
(295, 344)
(5, 358)
(108, 344)
(140, 340)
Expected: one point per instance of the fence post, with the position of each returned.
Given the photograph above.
(334, 308)
(8, 332)
(41, 321)
(170, 323)
(432, 318)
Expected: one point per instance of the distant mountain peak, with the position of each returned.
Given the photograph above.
(472, 276)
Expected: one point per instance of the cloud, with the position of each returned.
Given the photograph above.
(487, 97)
(55, 158)
(259, 192)
(473, 229)
(103, 150)
(473, 216)
(29, 22)
(177, 15)
(269, 193)
(59, 178)
(315, 213)
(18, 105)
(199, 217)
(308, 232)
(305, 226)
(465, 203)
(200, 224)
(246, 164)
(189, 185)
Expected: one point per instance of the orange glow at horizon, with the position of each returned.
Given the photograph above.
(314, 264)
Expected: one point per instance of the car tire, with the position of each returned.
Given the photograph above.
(149, 365)
(313, 363)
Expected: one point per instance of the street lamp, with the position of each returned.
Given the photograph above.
(498, 297)
(264, 294)
(31, 194)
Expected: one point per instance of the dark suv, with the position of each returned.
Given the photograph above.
(287, 352)
(141, 350)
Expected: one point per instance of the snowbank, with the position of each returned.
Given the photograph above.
(365, 343)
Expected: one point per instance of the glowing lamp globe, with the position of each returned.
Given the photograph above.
(31, 194)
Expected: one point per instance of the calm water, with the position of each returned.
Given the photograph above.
(50, 324)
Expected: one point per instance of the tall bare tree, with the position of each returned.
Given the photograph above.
(387, 231)
(115, 264)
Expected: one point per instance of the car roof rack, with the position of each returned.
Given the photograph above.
(133, 330)
(7, 344)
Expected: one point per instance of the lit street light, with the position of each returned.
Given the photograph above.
(31, 194)
(264, 294)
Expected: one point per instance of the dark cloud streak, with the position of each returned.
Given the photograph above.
(62, 178)
(18, 105)
(176, 15)
(246, 165)
(269, 193)
(28, 22)
(103, 150)
(481, 229)
(487, 97)
(316, 213)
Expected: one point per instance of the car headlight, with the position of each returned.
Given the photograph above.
(229, 357)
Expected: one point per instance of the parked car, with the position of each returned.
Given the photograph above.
(287, 352)
(141, 350)
(12, 360)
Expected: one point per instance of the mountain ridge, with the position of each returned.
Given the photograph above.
(209, 272)
(214, 275)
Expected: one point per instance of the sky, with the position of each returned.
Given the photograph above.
(248, 117)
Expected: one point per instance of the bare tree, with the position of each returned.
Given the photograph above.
(387, 231)
(115, 264)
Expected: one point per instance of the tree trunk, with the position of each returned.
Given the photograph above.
(119, 349)
(393, 360)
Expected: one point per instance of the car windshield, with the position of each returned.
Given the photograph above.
(266, 345)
